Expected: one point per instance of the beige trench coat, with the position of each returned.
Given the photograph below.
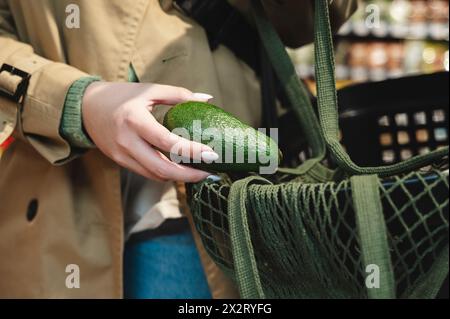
(56, 210)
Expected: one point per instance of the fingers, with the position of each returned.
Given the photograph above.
(134, 166)
(142, 136)
(171, 95)
(159, 165)
(157, 135)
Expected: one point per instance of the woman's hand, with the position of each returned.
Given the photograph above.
(117, 117)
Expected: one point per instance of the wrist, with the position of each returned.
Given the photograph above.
(72, 128)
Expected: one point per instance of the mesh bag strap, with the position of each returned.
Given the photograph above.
(328, 130)
(245, 266)
(293, 87)
(328, 106)
(373, 234)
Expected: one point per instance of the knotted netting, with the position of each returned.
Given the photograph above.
(313, 232)
(306, 239)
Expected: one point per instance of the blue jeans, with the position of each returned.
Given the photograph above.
(164, 267)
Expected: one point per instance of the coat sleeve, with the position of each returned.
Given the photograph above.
(37, 118)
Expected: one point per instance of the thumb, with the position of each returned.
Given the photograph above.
(201, 97)
(171, 95)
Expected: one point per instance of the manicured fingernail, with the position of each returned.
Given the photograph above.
(214, 178)
(209, 157)
(203, 96)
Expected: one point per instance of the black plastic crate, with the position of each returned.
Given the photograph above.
(391, 121)
(383, 122)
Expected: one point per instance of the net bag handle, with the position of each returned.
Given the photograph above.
(326, 96)
(292, 86)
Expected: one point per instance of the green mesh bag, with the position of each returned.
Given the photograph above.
(314, 232)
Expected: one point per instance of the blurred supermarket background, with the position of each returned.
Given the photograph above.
(387, 39)
(384, 39)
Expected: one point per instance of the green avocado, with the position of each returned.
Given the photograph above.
(241, 148)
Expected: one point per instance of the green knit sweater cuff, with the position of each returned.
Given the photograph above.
(71, 128)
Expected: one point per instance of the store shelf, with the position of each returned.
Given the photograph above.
(406, 38)
(390, 31)
(388, 38)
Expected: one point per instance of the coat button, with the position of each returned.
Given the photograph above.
(32, 209)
